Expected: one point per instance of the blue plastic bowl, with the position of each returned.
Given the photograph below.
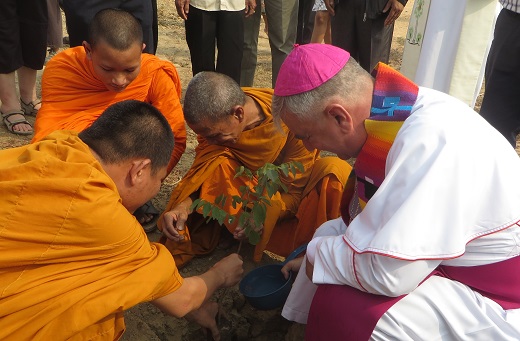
(265, 287)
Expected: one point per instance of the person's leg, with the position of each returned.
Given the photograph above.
(283, 21)
(380, 42)
(155, 26)
(11, 57)
(33, 16)
(344, 26)
(200, 36)
(251, 30)
(321, 21)
(55, 27)
(78, 14)
(502, 77)
(143, 11)
(230, 43)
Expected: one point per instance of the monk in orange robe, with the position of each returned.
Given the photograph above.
(72, 256)
(79, 83)
(235, 128)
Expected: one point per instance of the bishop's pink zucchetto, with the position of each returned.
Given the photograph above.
(309, 66)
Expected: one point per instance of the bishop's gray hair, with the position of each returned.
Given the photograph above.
(347, 83)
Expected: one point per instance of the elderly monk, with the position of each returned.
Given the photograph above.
(79, 83)
(72, 256)
(235, 128)
(418, 253)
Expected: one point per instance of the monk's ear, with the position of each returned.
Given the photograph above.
(238, 112)
(339, 116)
(144, 45)
(138, 170)
(88, 49)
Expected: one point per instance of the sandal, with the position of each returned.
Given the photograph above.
(11, 124)
(30, 108)
(143, 212)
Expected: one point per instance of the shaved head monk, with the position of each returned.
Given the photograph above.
(80, 82)
(72, 256)
(235, 128)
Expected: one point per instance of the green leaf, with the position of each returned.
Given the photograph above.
(299, 166)
(194, 205)
(206, 209)
(259, 214)
(254, 237)
(285, 169)
(271, 189)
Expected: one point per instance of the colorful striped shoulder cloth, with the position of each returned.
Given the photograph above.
(392, 101)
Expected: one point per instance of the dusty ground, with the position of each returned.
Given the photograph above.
(145, 322)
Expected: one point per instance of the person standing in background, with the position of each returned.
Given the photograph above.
(364, 28)
(220, 21)
(321, 31)
(282, 16)
(54, 29)
(23, 42)
(79, 14)
(499, 106)
(447, 43)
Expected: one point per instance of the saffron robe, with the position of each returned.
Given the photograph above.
(424, 214)
(72, 258)
(73, 97)
(313, 196)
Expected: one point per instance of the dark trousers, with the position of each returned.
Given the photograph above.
(367, 40)
(23, 34)
(499, 106)
(79, 13)
(203, 28)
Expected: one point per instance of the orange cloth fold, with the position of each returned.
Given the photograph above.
(73, 97)
(213, 174)
(72, 258)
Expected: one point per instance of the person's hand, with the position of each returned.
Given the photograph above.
(395, 8)
(330, 6)
(205, 317)
(175, 221)
(240, 233)
(183, 8)
(309, 269)
(230, 269)
(250, 7)
(293, 265)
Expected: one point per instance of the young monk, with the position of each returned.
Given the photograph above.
(72, 256)
(235, 128)
(79, 83)
(427, 247)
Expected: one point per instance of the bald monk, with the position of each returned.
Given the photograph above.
(80, 82)
(72, 256)
(235, 128)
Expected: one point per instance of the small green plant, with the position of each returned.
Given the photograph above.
(253, 200)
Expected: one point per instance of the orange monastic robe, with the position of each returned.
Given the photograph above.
(313, 196)
(72, 258)
(73, 97)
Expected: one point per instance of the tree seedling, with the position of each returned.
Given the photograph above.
(253, 201)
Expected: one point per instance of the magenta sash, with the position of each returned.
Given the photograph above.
(340, 312)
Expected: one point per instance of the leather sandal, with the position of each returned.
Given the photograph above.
(30, 108)
(12, 123)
